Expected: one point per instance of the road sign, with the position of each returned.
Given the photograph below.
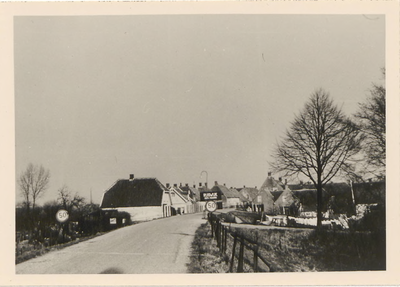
(211, 206)
(62, 215)
(210, 195)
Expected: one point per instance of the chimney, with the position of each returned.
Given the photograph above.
(131, 176)
(224, 184)
(244, 186)
(186, 184)
(167, 185)
(180, 184)
(194, 186)
(175, 185)
(215, 182)
(199, 184)
(269, 173)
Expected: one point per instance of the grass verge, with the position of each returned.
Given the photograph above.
(206, 257)
(30, 251)
(293, 250)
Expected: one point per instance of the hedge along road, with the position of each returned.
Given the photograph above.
(158, 246)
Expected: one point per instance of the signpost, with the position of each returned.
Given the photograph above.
(211, 198)
(210, 195)
(211, 206)
(62, 215)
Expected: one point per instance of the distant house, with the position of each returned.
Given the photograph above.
(340, 198)
(336, 199)
(369, 196)
(267, 201)
(194, 195)
(188, 191)
(179, 203)
(308, 202)
(143, 198)
(230, 197)
(287, 203)
(272, 185)
(259, 200)
(270, 191)
(249, 194)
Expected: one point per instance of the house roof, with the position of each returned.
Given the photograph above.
(134, 193)
(179, 195)
(339, 191)
(299, 186)
(369, 192)
(241, 197)
(271, 183)
(364, 193)
(308, 198)
(252, 193)
(194, 191)
(287, 198)
(228, 193)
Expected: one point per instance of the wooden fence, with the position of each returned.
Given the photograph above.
(223, 234)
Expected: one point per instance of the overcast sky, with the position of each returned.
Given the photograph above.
(100, 97)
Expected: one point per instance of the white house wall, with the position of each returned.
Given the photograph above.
(142, 213)
(232, 202)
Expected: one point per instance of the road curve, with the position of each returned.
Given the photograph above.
(158, 246)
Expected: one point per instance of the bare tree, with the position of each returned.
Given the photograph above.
(33, 182)
(372, 118)
(68, 201)
(319, 144)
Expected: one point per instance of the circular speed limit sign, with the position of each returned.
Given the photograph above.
(62, 215)
(211, 206)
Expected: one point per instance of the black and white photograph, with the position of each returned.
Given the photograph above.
(201, 143)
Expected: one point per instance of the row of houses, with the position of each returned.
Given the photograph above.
(148, 198)
(300, 200)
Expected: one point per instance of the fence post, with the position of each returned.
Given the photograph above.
(217, 232)
(222, 235)
(255, 263)
(233, 252)
(241, 253)
(225, 238)
(212, 226)
(222, 239)
(255, 260)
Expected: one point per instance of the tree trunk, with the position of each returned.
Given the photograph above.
(319, 202)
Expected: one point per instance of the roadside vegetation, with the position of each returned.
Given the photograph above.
(292, 250)
(26, 250)
(206, 257)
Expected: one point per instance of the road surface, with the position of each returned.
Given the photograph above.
(159, 246)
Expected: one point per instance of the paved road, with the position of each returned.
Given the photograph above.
(159, 246)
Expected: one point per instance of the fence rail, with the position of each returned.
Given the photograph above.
(222, 232)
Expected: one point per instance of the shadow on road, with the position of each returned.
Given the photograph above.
(184, 234)
(111, 270)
